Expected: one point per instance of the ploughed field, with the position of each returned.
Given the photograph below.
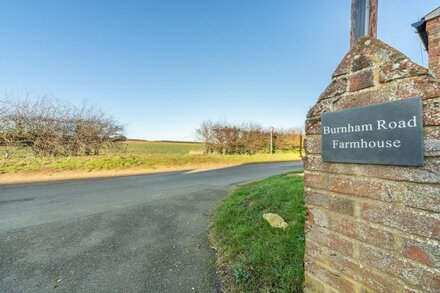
(131, 155)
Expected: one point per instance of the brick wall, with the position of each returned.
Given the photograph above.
(373, 228)
(433, 30)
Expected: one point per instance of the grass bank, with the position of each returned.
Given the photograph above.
(254, 256)
(137, 155)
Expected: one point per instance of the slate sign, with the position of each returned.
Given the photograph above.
(388, 134)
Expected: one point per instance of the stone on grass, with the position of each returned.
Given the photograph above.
(275, 220)
(295, 175)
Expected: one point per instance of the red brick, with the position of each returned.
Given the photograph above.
(320, 107)
(434, 51)
(315, 163)
(338, 86)
(429, 173)
(367, 97)
(381, 260)
(313, 126)
(432, 147)
(415, 253)
(310, 220)
(434, 43)
(401, 268)
(361, 80)
(433, 29)
(376, 50)
(425, 87)
(343, 245)
(331, 240)
(431, 23)
(426, 252)
(313, 249)
(423, 196)
(431, 112)
(373, 49)
(432, 132)
(311, 284)
(434, 64)
(433, 55)
(317, 216)
(366, 290)
(315, 180)
(400, 69)
(410, 290)
(430, 281)
(360, 62)
(352, 269)
(359, 273)
(365, 187)
(407, 220)
(352, 228)
(329, 277)
(363, 232)
(312, 144)
(334, 203)
(433, 47)
(344, 66)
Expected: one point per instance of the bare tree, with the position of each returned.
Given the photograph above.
(204, 134)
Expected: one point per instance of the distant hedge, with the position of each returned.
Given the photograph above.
(246, 138)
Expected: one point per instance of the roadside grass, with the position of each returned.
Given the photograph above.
(137, 155)
(254, 256)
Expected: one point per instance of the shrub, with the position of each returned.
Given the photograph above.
(50, 127)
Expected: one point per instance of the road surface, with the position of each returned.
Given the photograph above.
(143, 233)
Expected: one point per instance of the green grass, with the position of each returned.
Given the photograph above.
(129, 155)
(155, 148)
(257, 257)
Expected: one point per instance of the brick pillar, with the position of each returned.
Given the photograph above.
(373, 228)
(433, 30)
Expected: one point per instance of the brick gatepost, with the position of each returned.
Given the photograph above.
(433, 31)
(373, 228)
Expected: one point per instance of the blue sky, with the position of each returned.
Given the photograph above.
(161, 67)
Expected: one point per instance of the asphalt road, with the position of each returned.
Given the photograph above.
(128, 234)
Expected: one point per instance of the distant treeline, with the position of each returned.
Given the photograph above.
(246, 138)
(48, 126)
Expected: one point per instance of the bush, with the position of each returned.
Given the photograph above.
(247, 138)
(50, 127)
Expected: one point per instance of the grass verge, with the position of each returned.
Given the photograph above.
(254, 256)
(138, 155)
